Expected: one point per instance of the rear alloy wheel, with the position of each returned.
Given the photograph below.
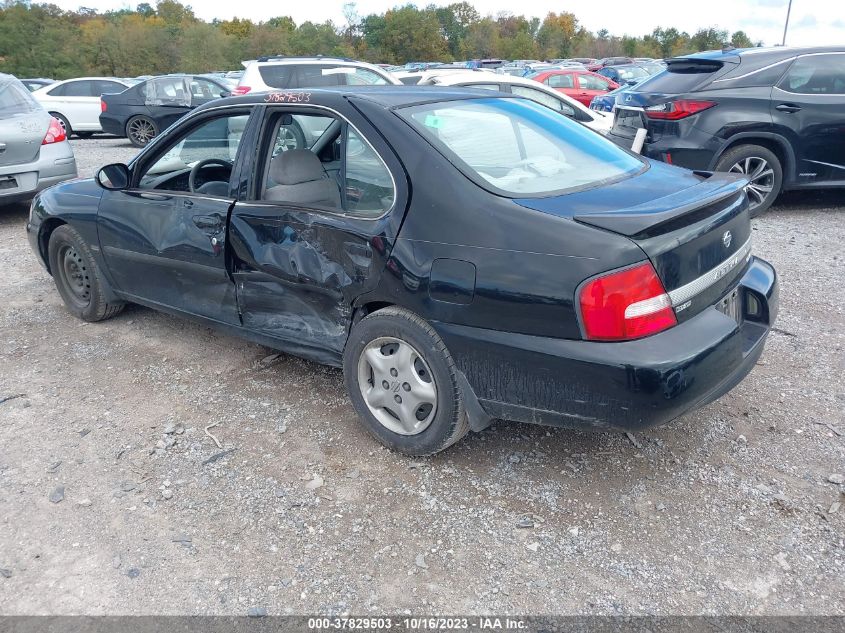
(403, 383)
(140, 131)
(764, 170)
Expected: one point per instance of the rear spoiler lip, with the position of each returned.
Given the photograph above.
(632, 221)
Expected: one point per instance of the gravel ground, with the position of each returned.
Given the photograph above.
(115, 501)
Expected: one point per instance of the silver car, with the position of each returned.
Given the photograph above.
(34, 151)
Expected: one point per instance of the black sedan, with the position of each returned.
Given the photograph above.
(140, 113)
(463, 255)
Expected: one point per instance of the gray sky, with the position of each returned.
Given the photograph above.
(812, 21)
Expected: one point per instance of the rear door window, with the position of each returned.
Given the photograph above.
(560, 81)
(816, 75)
(103, 87)
(278, 76)
(168, 91)
(317, 76)
(591, 82)
(79, 89)
(545, 99)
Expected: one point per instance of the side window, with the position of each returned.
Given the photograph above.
(816, 74)
(58, 91)
(589, 82)
(204, 90)
(368, 184)
(277, 76)
(108, 87)
(214, 142)
(317, 161)
(79, 89)
(295, 174)
(364, 77)
(317, 76)
(545, 99)
(561, 81)
(168, 91)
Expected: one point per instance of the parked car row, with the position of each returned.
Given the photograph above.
(773, 115)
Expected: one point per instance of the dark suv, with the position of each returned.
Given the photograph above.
(774, 114)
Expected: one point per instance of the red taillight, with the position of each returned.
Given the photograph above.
(103, 105)
(680, 109)
(626, 305)
(241, 90)
(55, 133)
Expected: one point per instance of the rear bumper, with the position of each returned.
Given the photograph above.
(55, 164)
(629, 385)
(691, 148)
(112, 125)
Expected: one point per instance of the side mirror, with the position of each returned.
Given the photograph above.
(114, 177)
(225, 93)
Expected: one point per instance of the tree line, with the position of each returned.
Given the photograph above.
(43, 40)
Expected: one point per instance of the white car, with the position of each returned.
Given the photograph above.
(76, 102)
(283, 73)
(523, 87)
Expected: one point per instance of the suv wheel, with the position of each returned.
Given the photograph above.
(403, 383)
(762, 167)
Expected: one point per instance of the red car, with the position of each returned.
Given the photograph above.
(581, 85)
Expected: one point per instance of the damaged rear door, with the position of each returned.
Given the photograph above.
(325, 205)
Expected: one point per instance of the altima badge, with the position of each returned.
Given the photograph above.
(726, 239)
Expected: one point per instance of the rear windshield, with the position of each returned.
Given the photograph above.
(15, 98)
(680, 76)
(627, 74)
(519, 147)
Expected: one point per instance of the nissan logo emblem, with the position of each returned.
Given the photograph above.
(726, 239)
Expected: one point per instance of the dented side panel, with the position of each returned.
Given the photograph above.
(296, 272)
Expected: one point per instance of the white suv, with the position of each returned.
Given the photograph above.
(282, 73)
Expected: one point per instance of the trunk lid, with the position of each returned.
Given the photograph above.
(21, 136)
(23, 123)
(694, 229)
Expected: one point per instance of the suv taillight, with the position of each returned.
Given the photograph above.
(55, 133)
(680, 109)
(241, 90)
(103, 105)
(625, 305)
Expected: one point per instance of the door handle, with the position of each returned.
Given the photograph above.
(2, 147)
(788, 107)
(187, 203)
(209, 223)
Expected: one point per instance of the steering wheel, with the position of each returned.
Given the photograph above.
(192, 177)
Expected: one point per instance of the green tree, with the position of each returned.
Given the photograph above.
(556, 34)
(708, 39)
(411, 34)
(740, 40)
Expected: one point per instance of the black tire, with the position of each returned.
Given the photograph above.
(449, 421)
(141, 130)
(77, 276)
(744, 158)
(63, 122)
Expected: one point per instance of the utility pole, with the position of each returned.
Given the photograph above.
(786, 26)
